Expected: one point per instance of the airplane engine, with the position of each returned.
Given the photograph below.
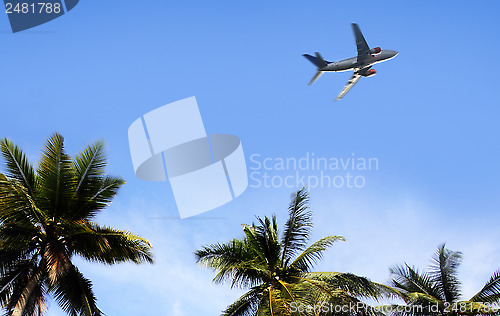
(370, 73)
(375, 51)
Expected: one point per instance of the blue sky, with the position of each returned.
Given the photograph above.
(430, 117)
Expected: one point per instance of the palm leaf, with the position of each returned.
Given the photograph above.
(18, 166)
(490, 293)
(316, 293)
(410, 280)
(349, 283)
(263, 239)
(313, 253)
(88, 165)
(108, 245)
(246, 305)
(74, 294)
(56, 178)
(297, 227)
(443, 272)
(234, 261)
(17, 240)
(17, 205)
(98, 195)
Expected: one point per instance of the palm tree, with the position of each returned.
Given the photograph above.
(437, 291)
(277, 271)
(46, 218)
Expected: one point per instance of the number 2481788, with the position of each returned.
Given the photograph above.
(39, 7)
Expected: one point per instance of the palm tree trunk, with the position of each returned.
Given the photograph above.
(23, 300)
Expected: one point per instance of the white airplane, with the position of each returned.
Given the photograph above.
(361, 64)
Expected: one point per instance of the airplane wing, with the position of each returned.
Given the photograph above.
(355, 77)
(361, 45)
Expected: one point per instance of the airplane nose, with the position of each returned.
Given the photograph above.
(394, 53)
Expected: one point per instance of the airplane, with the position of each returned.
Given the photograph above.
(361, 64)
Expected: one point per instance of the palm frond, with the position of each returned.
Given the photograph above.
(490, 293)
(16, 239)
(277, 304)
(74, 294)
(349, 283)
(264, 241)
(55, 177)
(410, 280)
(316, 293)
(246, 305)
(313, 253)
(17, 165)
(108, 245)
(387, 291)
(443, 272)
(234, 261)
(98, 195)
(298, 226)
(17, 205)
(88, 165)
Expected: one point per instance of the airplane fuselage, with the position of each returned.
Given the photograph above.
(353, 64)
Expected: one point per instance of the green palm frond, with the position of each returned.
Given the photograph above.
(233, 261)
(313, 253)
(99, 194)
(443, 271)
(108, 245)
(490, 293)
(410, 280)
(298, 226)
(387, 291)
(55, 178)
(317, 293)
(246, 305)
(93, 189)
(263, 239)
(88, 166)
(17, 205)
(74, 294)
(349, 283)
(17, 239)
(17, 165)
(277, 303)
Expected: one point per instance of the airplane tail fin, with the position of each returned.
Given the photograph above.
(318, 61)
